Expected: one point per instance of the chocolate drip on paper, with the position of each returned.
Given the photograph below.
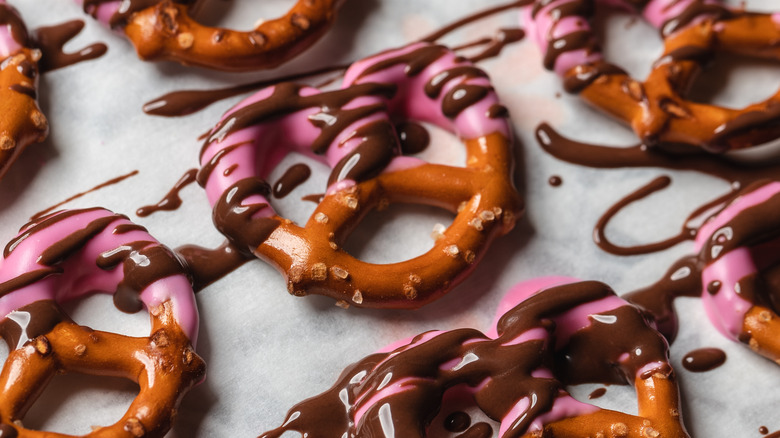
(597, 393)
(182, 103)
(739, 175)
(102, 185)
(704, 359)
(457, 422)
(499, 371)
(52, 39)
(171, 201)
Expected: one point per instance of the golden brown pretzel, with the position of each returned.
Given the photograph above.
(21, 121)
(352, 128)
(164, 30)
(656, 109)
(72, 253)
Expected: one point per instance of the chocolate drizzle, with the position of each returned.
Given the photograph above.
(694, 10)
(209, 265)
(414, 138)
(294, 176)
(123, 14)
(499, 371)
(237, 221)
(171, 201)
(739, 175)
(52, 39)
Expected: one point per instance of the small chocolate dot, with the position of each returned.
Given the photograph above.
(457, 422)
(714, 287)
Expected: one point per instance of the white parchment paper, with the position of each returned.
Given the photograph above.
(266, 350)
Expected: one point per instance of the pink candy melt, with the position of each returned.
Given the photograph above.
(82, 276)
(726, 309)
(8, 45)
(104, 10)
(267, 143)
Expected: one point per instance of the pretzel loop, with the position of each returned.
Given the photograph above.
(656, 109)
(73, 253)
(351, 130)
(165, 31)
(22, 123)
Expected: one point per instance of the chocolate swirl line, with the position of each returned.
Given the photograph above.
(10, 18)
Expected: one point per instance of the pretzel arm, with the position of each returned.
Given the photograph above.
(166, 31)
(762, 324)
(747, 35)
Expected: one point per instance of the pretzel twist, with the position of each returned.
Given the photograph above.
(656, 109)
(739, 251)
(73, 253)
(164, 30)
(21, 122)
(351, 129)
(516, 373)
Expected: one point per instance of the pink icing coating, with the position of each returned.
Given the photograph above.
(104, 10)
(82, 276)
(266, 144)
(8, 45)
(727, 309)
(545, 27)
(776, 18)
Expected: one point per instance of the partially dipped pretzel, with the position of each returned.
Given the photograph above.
(21, 121)
(549, 333)
(352, 130)
(72, 253)
(656, 109)
(164, 30)
(739, 256)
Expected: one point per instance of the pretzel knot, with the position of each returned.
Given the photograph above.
(516, 373)
(693, 31)
(22, 122)
(351, 130)
(738, 254)
(73, 253)
(163, 30)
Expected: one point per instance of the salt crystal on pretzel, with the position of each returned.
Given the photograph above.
(351, 129)
(21, 121)
(548, 333)
(164, 30)
(693, 31)
(67, 255)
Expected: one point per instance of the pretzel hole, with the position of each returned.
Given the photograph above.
(736, 81)
(398, 233)
(240, 14)
(620, 398)
(459, 413)
(105, 398)
(98, 312)
(627, 40)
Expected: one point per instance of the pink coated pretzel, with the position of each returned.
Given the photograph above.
(656, 109)
(72, 253)
(351, 129)
(21, 121)
(739, 253)
(549, 333)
